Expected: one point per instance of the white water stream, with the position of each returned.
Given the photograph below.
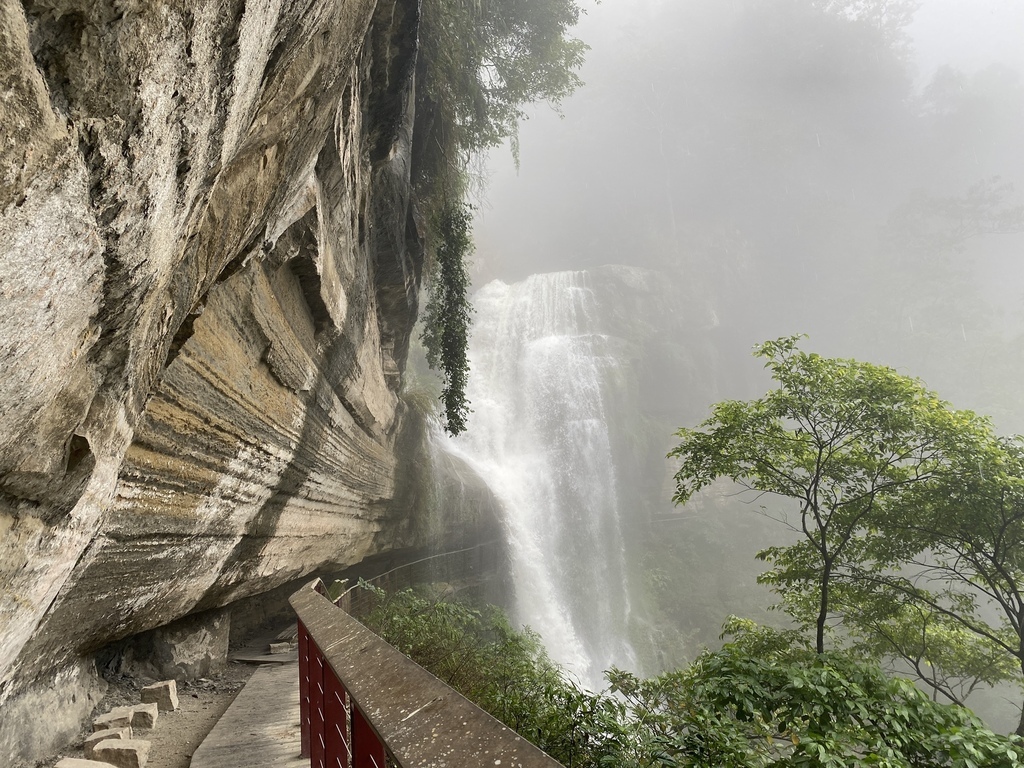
(539, 436)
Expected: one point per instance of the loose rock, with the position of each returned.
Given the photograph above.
(123, 753)
(119, 717)
(109, 733)
(163, 694)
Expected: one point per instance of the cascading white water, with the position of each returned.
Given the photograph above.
(539, 436)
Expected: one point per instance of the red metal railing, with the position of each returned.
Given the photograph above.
(364, 704)
(335, 733)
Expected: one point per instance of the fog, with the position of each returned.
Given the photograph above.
(738, 170)
(801, 165)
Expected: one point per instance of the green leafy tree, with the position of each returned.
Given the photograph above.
(939, 650)
(962, 537)
(845, 441)
(480, 62)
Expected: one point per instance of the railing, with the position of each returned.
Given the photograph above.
(456, 566)
(364, 704)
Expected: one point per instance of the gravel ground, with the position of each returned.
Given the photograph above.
(177, 734)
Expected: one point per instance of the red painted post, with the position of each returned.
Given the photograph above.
(304, 688)
(338, 754)
(317, 725)
(367, 751)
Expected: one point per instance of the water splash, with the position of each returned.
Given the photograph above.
(539, 436)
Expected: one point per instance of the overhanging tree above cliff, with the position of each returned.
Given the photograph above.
(482, 61)
(846, 441)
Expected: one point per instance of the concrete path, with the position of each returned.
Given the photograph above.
(261, 727)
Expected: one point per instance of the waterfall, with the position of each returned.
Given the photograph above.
(540, 390)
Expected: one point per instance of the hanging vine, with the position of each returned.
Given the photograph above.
(447, 316)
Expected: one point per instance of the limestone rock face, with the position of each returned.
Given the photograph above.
(208, 274)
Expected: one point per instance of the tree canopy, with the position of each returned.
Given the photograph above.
(845, 440)
(910, 513)
(485, 59)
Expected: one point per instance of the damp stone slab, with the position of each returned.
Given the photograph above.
(110, 733)
(164, 694)
(123, 753)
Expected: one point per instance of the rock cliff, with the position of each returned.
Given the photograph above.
(209, 266)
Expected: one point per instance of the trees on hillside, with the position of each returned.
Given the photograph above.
(910, 513)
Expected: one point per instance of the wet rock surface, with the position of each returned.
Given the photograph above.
(209, 276)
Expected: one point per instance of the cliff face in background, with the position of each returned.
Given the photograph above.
(208, 273)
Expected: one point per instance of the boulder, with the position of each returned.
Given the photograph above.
(117, 718)
(110, 733)
(164, 694)
(123, 753)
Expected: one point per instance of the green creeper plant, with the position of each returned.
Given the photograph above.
(448, 313)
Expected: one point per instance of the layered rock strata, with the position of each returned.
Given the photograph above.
(208, 274)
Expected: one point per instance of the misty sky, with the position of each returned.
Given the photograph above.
(796, 171)
(966, 34)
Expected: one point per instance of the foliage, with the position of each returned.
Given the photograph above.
(845, 440)
(447, 317)
(939, 650)
(482, 60)
(505, 672)
(479, 63)
(765, 699)
(964, 533)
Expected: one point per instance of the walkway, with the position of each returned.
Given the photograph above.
(261, 727)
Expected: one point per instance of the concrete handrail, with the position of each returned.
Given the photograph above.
(361, 699)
